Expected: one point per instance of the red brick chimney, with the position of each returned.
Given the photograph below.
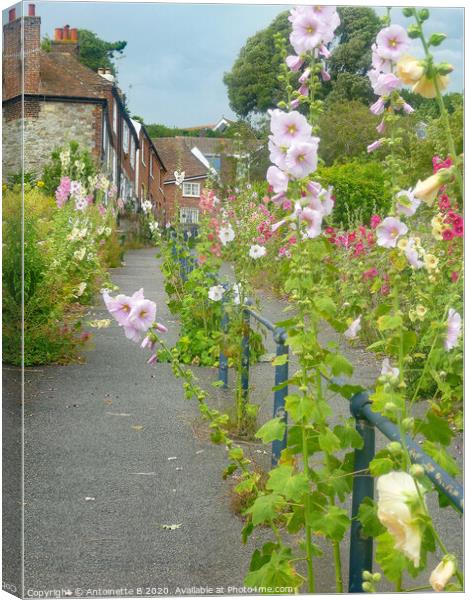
(21, 38)
(65, 40)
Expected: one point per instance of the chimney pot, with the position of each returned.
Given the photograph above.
(74, 34)
(58, 34)
(11, 14)
(66, 32)
(100, 71)
(31, 10)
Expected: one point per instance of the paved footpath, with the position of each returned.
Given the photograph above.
(113, 452)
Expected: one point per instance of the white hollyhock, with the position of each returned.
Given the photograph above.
(397, 509)
(216, 293)
(443, 573)
(226, 234)
(352, 331)
(257, 251)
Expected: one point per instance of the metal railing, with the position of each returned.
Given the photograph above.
(361, 546)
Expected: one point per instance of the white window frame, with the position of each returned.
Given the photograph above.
(189, 215)
(151, 164)
(115, 115)
(194, 189)
(132, 156)
(125, 137)
(143, 153)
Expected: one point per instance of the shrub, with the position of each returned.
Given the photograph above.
(360, 191)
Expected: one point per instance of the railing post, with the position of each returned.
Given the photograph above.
(281, 374)
(223, 360)
(361, 547)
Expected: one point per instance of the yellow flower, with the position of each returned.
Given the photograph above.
(409, 69)
(430, 262)
(425, 86)
(421, 311)
(427, 190)
(403, 243)
(40, 183)
(4, 187)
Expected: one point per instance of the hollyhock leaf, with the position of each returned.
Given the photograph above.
(347, 390)
(300, 407)
(328, 441)
(265, 508)
(280, 360)
(284, 481)
(367, 515)
(339, 365)
(247, 531)
(392, 562)
(442, 457)
(389, 322)
(333, 523)
(381, 466)
(272, 430)
(436, 429)
(277, 572)
(325, 305)
(380, 398)
(236, 453)
(348, 436)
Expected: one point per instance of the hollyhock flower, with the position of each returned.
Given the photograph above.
(81, 203)
(301, 159)
(226, 234)
(375, 220)
(257, 251)
(75, 188)
(294, 104)
(392, 42)
(374, 146)
(102, 210)
(380, 64)
(323, 51)
(454, 327)
(426, 87)
(303, 90)
(305, 75)
(378, 107)
(447, 235)
(406, 203)
(289, 127)
(277, 179)
(386, 83)
(325, 75)
(409, 69)
(121, 306)
(294, 62)
(396, 510)
(430, 262)
(443, 573)
(370, 274)
(407, 108)
(427, 190)
(388, 370)
(388, 232)
(313, 218)
(454, 276)
(352, 331)
(277, 153)
(216, 293)
(307, 32)
(412, 255)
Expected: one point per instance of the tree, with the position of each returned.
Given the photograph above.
(252, 84)
(95, 52)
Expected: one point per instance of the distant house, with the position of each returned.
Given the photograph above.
(222, 125)
(64, 100)
(200, 158)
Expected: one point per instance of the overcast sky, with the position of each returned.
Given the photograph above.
(176, 54)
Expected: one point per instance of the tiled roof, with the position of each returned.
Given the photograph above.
(63, 75)
(176, 153)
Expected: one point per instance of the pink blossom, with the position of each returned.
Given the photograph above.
(392, 42)
(378, 107)
(374, 146)
(380, 64)
(102, 210)
(294, 62)
(313, 219)
(381, 127)
(277, 179)
(375, 220)
(295, 103)
(305, 75)
(325, 75)
(454, 327)
(389, 231)
(303, 90)
(370, 274)
(406, 203)
(121, 306)
(407, 108)
(454, 276)
(447, 235)
(289, 127)
(307, 32)
(277, 153)
(301, 159)
(386, 83)
(142, 314)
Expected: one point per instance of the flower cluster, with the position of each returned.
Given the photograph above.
(136, 315)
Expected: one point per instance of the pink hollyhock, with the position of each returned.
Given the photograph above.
(412, 255)
(305, 75)
(378, 107)
(325, 75)
(121, 306)
(307, 32)
(386, 83)
(289, 127)
(374, 146)
(362, 231)
(277, 153)
(301, 159)
(303, 90)
(375, 220)
(370, 274)
(444, 202)
(407, 108)
(314, 220)
(392, 42)
(380, 64)
(389, 231)
(447, 235)
(359, 249)
(438, 163)
(454, 327)
(277, 179)
(294, 62)
(406, 203)
(454, 276)
(102, 210)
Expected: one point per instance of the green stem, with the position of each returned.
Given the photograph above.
(308, 530)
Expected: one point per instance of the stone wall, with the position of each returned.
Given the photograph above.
(48, 125)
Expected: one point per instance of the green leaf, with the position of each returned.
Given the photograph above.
(276, 573)
(391, 560)
(389, 322)
(332, 524)
(380, 466)
(348, 436)
(280, 360)
(339, 365)
(381, 398)
(283, 480)
(236, 453)
(300, 407)
(436, 429)
(265, 508)
(367, 515)
(272, 430)
(442, 457)
(325, 305)
(328, 441)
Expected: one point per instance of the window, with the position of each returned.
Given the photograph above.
(115, 116)
(189, 215)
(214, 161)
(132, 157)
(191, 190)
(125, 137)
(151, 164)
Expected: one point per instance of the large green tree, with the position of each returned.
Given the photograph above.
(95, 52)
(252, 83)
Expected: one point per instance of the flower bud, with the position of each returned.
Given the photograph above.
(408, 423)
(390, 407)
(414, 32)
(423, 14)
(407, 12)
(367, 587)
(394, 448)
(436, 39)
(442, 574)
(376, 577)
(444, 68)
(417, 470)
(366, 575)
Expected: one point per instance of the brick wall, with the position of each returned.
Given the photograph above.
(48, 125)
(12, 71)
(174, 200)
